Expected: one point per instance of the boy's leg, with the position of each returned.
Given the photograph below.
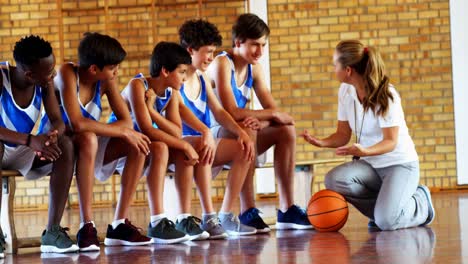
(229, 151)
(249, 215)
(122, 232)
(284, 140)
(86, 146)
(55, 239)
(183, 181)
(156, 175)
(161, 230)
(283, 137)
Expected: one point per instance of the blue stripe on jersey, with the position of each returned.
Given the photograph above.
(13, 117)
(241, 94)
(202, 114)
(161, 102)
(92, 110)
(113, 117)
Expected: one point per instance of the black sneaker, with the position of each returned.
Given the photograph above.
(56, 240)
(166, 233)
(87, 239)
(125, 234)
(191, 227)
(252, 218)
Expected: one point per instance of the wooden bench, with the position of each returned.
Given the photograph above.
(7, 218)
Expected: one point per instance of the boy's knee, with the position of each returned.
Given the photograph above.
(86, 139)
(159, 149)
(288, 132)
(65, 144)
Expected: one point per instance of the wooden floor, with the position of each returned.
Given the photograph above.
(445, 241)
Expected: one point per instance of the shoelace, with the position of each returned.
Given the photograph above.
(193, 223)
(254, 214)
(166, 223)
(213, 221)
(137, 229)
(64, 231)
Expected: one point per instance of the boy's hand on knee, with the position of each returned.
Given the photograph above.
(247, 146)
(283, 118)
(138, 140)
(252, 123)
(207, 148)
(191, 156)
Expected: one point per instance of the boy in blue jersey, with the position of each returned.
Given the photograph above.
(22, 90)
(98, 145)
(157, 108)
(235, 73)
(201, 39)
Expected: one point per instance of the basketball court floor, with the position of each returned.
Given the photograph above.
(445, 241)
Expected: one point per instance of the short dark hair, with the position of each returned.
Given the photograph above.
(197, 33)
(100, 50)
(168, 55)
(249, 26)
(30, 49)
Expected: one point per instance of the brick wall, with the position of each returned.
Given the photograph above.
(413, 37)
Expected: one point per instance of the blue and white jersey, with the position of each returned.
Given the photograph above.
(160, 104)
(199, 108)
(13, 117)
(242, 92)
(91, 110)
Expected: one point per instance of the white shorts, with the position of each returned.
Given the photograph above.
(101, 171)
(21, 158)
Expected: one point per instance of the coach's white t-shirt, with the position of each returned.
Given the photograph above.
(372, 127)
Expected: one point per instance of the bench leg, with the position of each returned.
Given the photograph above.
(7, 218)
(302, 185)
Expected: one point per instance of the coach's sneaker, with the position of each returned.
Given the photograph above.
(56, 240)
(125, 234)
(431, 211)
(372, 226)
(166, 233)
(191, 227)
(87, 239)
(211, 225)
(252, 218)
(293, 218)
(234, 227)
(2, 244)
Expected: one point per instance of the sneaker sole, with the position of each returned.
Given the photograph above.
(431, 213)
(119, 242)
(203, 236)
(282, 226)
(156, 240)
(235, 233)
(54, 249)
(221, 236)
(264, 230)
(90, 248)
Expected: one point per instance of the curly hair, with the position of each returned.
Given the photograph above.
(30, 49)
(197, 33)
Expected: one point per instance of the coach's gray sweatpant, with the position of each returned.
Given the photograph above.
(389, 195)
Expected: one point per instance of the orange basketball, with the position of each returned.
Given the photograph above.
(327, 211)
